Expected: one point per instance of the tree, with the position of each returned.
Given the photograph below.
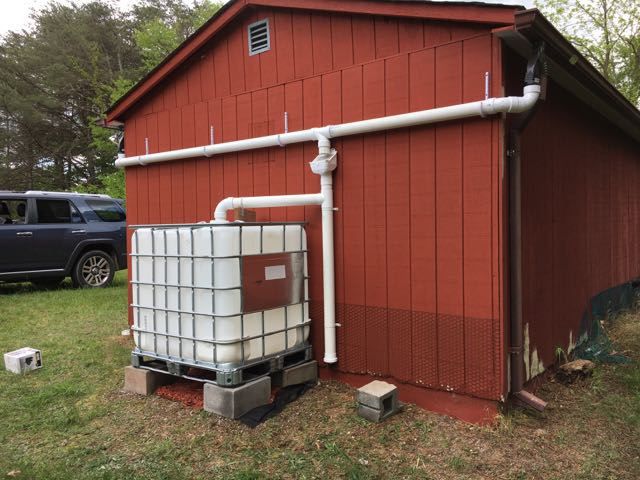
(54, 83)
(607, 33)
(57, 80)
(165, 24)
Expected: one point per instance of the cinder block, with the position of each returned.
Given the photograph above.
(373, 414)
(379, 395)
(144, 382)
(303, 373)
(235, 402)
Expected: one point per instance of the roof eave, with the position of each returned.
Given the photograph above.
(576, 73)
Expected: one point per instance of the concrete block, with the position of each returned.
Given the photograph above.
(373, 414)
(303, 373)
(379, 395)
(144, 382)
(235, 402)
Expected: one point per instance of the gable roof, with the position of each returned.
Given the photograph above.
(478, 12)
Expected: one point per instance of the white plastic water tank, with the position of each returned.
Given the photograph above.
(191, 298)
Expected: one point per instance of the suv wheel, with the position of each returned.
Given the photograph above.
(94, 269)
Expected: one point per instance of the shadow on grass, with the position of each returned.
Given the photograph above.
(23, 288)
(27, 287)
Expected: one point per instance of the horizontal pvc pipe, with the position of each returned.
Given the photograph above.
(482, 108)
(230, 203)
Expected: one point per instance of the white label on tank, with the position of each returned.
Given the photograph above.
(275, 272)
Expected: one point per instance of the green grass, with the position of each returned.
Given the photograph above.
(70, 419)
(78, 333)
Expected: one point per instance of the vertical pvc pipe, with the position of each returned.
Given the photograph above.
(328, 269)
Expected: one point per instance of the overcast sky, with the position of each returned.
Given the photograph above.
(15, 13)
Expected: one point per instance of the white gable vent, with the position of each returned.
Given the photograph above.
(259, 39)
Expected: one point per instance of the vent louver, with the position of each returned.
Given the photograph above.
(259, 38)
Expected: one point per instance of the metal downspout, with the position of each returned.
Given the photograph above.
(516, 349)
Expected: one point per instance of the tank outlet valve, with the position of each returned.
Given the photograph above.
(325, 163)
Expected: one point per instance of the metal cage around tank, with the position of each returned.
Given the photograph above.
(226, 373)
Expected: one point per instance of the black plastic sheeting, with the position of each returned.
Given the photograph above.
(283, 397)
(593, 343)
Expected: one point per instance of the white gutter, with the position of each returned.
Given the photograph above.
(482, 108)
(324, 165)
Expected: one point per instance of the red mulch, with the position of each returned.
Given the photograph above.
(187, 392)
(190, 392)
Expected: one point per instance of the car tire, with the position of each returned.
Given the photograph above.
(47, 283)
(94, 269)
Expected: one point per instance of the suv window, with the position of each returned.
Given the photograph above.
(13, 211)
(57, 211)
(108, 211)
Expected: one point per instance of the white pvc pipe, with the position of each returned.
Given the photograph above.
(230, 203)
(482, 108)
(328, 270)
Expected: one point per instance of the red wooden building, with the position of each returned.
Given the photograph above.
(465, 251)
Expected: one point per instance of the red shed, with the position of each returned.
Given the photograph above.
(466, 250)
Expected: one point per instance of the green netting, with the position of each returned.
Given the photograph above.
(594, 343)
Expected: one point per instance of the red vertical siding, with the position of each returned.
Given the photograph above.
(259, 128)
(284, 45)
(165, 181)
(375, 225)
(398, 215)
(423, 224)
(321, 42)
(312, 116)
(416, 228)
(579, 219)
(478, 268)
(142, 186)
(153, 174)
(449, 266)
(177, 168)
(294, 166)
(277, 156)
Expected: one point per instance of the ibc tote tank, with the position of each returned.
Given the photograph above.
(216, 295)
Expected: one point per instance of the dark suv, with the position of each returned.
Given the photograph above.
(47, 236)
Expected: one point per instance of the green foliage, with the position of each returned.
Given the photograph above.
(156, 39)
(165, 24)
(607, 33)
(57, 80)
(114, 184)
(561, 355)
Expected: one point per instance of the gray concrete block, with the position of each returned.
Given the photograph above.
(303, 373)
(235, 402)
(379, 395)
(144, 382)
(373, 414)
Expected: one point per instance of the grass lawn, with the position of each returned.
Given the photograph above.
(70, 420)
